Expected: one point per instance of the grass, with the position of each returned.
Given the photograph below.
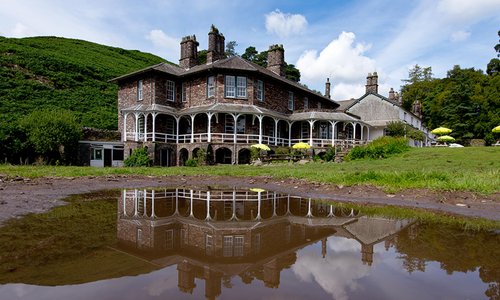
(441, 169)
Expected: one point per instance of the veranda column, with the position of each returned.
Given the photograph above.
(276, 121)
(235, 117)
(259, 198)
(362, 132)
(309, 210)
(208, 207)
(145, 127)
(124, 197)
(260, 128)
(136, 203)
(177, 121)
(152, 204)
(191, 213)
(333, 132)
(209, 128)
(154, 126)
(354, 131)
(176, 213)
(290, 134)
(192, 127)
(311, 126)
(136, 135)
(124, 138)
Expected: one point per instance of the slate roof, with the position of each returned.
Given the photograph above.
(231, 63)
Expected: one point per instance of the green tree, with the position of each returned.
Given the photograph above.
(417, 86)
(231, 48)
(260, 58)
(52, 133)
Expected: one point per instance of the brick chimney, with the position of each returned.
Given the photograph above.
(216, 45)
(327, 88)
(372, 83)
(276, 59)
(189, 52)
(392, 96)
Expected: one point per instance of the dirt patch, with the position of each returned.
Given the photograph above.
(19, 196)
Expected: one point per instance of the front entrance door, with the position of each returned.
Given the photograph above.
(107, 157)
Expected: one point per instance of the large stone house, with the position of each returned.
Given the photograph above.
(378, 111)
(226, 104)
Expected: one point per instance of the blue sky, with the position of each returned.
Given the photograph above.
(342, 40)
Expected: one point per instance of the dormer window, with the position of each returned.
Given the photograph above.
(139, 90)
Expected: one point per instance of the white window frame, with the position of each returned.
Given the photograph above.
(235, 87)
(290, 100)
(183, 92)
(210, 86)
(139, 90)
(241, 87)
(170, 91)
(230, 86)
(260, 90)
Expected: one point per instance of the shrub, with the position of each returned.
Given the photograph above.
(138, 158)
(254, 153)
(379, 148)
(329, 154)
(201, 157)
(191, 163)
(282, 150)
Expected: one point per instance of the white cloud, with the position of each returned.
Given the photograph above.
(459, 36)
(165, 44)
(343, 61)
(469, 11)
(338, 273)
(21, 30)
(285, 25)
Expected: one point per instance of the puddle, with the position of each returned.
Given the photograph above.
(234, 243)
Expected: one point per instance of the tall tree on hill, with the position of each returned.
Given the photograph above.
(493, 67)
(231, 48)
(417, 86)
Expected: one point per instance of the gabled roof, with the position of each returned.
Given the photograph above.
(231, 63)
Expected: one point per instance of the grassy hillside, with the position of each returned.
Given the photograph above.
(45, 72)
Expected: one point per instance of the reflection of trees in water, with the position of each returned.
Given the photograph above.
(457, 251)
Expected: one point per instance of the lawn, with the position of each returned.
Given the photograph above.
(474, 169)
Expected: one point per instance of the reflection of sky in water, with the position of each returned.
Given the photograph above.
(340, 275)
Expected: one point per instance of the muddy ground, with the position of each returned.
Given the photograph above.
(19, 196)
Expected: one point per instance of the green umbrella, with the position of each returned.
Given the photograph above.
(261, 147)
(441, 130)
(496, 129)
(446, 138)
(301, 145)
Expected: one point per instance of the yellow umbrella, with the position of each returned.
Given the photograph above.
(496, 129)
(257, 190)
(261, 147)
(301, 145)
(441, 130)
(446, 138)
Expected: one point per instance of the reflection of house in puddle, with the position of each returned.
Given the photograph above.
(216, 234)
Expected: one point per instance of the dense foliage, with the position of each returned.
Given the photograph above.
(382, 147)
(402, 129)
(52, 134)
(466, 101)
(49, 72)
(138, 158)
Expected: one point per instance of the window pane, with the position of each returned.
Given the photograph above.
(260, 90)
(117, 154)
(139, 90)
(290, 100)
(241, 90)
(230, 86)
(211, 86)
(170, 90)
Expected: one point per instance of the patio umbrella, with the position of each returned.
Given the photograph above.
(261, 147)
(301, 145)
(446, 138)
(441, 130)
(496, 129)
(257, 190)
